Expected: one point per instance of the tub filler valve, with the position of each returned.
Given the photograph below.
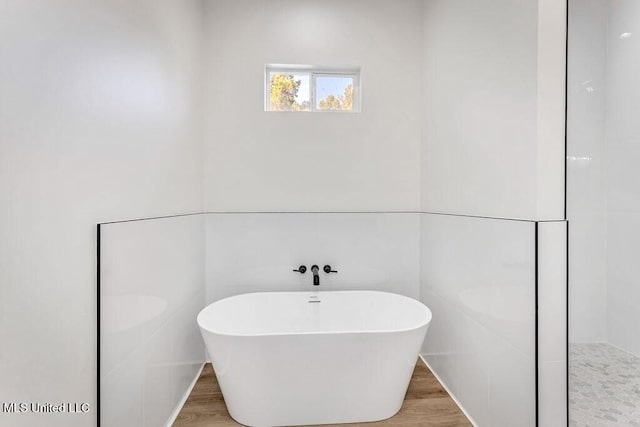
(302, 269)
(327, 269)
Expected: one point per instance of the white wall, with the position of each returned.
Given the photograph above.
(586, 169)
(152, 287)
(257, 252)
(492, 146)
(604, 203)
(478, 278)
(259, 161)
(552, 317)
(623, 191)
(99, 120)
(493, 119)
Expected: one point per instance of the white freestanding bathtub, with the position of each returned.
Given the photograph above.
(296, 358)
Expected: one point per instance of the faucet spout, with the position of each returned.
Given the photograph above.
(316, 277)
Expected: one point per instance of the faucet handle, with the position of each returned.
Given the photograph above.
(327, 269)
(302, 269)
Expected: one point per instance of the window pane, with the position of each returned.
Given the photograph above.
(334, 93)
(289, 92)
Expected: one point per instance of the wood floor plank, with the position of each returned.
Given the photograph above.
(426, 404)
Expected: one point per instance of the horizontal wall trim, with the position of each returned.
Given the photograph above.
(149, 218)
(327, 212)
(496, 218)
(260, 212)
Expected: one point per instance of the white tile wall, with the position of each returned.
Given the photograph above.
(552, 378)
(100, 120)
(623, 295)
(623, 156)
(493, 134)
(477, 276)
(586, 169)
(512, 385)
(257, 161)
(152, 287)
(257, 252)
(550, 117)
(604, 199)
(492, 146)
(552, 315)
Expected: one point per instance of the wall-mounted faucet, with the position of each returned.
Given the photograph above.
(316, 278)
(315, 269)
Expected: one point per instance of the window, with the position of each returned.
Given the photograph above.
(316, 89)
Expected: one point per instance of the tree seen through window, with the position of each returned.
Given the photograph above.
(292, 92)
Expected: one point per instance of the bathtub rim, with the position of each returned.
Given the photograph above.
(420, 325)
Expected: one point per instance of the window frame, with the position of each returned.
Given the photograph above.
(313, 72)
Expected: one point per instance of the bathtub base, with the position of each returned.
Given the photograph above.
(277, 421)
(307, 419)
(308, 380)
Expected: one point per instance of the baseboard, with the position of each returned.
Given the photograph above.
(182, 401)
(455, 399)
(623, 350)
